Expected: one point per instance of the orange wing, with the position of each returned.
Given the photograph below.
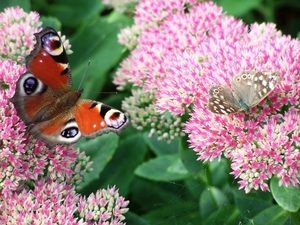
(47, 78)
(95, 118)
(44, 99)
(48, 61)
(88, 119)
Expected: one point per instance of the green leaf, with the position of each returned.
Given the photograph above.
(179, 213)
(162, 147)
(195, 187)
(134, 219)
(225, 215)
(189, 160)
(211, 200)
(98, 44)
(101, 151)
(250, 206)
(73, 14)
(219, 172)
(163, 168)
(271, 216)
(287, 197)
(149, 195)
(119, 171)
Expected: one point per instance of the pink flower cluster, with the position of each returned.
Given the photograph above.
(57, 203)
(37, 183)
(94, 208)
(14, 43)
(185, 47)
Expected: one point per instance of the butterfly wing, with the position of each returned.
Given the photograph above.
(95, 118)
(47, 78)
(263, 83)
(241, 85)
(49, 63)
(222, 100)
(251, 87)
(44, 99)
(87, 118)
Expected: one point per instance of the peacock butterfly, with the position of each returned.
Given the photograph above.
(45, 102)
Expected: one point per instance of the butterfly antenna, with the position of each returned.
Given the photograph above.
(84, 74)
(89, 62)
(109, 92)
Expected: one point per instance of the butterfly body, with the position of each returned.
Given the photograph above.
(45, 102)
(248, 88)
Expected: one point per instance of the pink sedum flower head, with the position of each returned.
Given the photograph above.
(106, 206)
(181, 52)
(129, 36)
(22, 157)
(145, 116)
(258, 142)
(57, 203)
(154, 59)
(50, 202)
(15, 36)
